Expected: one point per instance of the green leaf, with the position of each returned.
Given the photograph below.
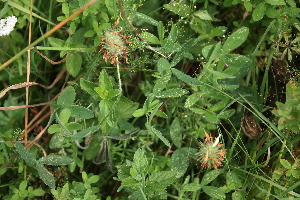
(175, 132)
(150, 38)
(28, 157)
(147, 19)
(55, 42)
(89, 86)
(242, 63)
(239, 195)
(67, 97)
(233, 182)
(152, 130)
(211, 117)
(93, 179)
(38, 192)
(64, 116)
(161, 30)
(175, 92)
(203, 14)
(55, 160)
(85, 132)
(235, 40)
(276, 2)
(285, 164)
(72, 126)
(81, 112)
(191, 187)
(45, 175)
(105, 81)
(163, 66)
(179, 162)
(54, 128)
(259, 12)
(210, 176)
(111, 6)
(139, 165)
(214, 192)
(180, 9)
(185, 78)
(57, 141)
(161, 83)
(23, 185)
(73, 64)
(162, 179)
(191, 100)
(139, 112)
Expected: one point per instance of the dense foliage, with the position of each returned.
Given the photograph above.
(150, 99)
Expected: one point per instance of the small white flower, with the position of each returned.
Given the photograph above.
(7, 25)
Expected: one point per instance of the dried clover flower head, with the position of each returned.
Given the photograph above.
(210, 153)
(114, 45)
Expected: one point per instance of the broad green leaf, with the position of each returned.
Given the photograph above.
(28, 157)
(85, 132)
(139, 112)
(242, 63)
(38, 192)
(220, 75)
(235, 40)
(292, 3)
(215, 53)
(125, 109)
(163, 66)
(239, 195)
(139, 165)
(72, 126)
(81, 112)
(285, 164)
(175, 133)
(64, 116)
(147, 19)
(179, 162)
(111, 6)
(152, 130)
(73, 64)
(23, 185)
(211, 117)
(161, 30)
(175, 92)
(150, 38)
(259, 12)
(180, 9)
(161, 83)
(162, 179)
(233, 182)
(276, 2)
(192, 187)
(173, 34)
(57, 141)
(214, 192)
(67, 97)
(55, 42)
(45, 175)
(89, 86)
(54, 128)
(55, 160)
(203, 14)
(93, 179)
(104, 80)
(191, 100)
(185, 78)
(209, 176)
